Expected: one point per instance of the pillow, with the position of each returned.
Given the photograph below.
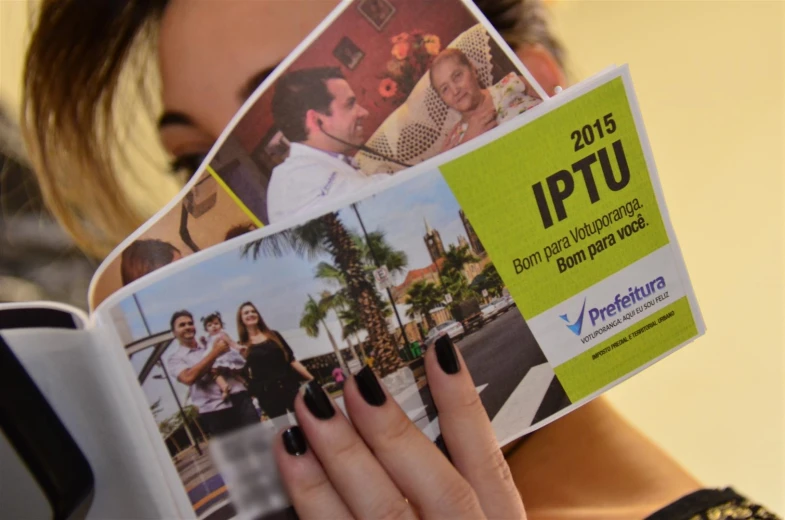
(416, 130)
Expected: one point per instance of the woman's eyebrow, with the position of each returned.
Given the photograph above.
(253, 82)
(174, 118)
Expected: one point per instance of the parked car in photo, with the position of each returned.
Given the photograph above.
(490, 311)
(452, 328)
(504, 303)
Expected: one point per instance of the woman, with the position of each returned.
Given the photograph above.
(455, 79)
(274, 376)
(590, 464)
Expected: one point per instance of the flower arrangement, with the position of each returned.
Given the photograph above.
(412, 53)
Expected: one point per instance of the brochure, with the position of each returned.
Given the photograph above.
(541, 245)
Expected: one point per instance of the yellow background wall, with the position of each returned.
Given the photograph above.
(709, 76)
(13, 30)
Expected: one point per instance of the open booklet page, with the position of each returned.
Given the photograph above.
(543, 248)
(82, 381)
(377, 87)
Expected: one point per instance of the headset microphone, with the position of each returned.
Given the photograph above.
(361, 147)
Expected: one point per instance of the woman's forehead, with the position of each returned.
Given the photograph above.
(445, 66)
(209, 50)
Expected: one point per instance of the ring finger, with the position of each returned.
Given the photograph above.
(309, 488)
(353, 470)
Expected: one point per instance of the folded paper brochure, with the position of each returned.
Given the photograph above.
(543, 247)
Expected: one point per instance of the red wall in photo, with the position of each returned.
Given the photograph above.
(444, 18)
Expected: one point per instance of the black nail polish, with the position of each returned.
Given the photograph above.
(445, 353)
(317, 401)
(369, 386)
(294, 441)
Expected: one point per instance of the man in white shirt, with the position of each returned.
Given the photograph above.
(317, 111)
(192, 363)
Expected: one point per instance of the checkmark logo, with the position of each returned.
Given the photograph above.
(577, 326)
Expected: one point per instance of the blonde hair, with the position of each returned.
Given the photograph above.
(79, 61)
(75, 68)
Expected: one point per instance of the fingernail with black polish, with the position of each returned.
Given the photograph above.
(317, 401)
(294, 441)
(445, 353)
(369, 386)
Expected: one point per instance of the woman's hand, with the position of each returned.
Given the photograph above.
(381, 466)
(480, 122)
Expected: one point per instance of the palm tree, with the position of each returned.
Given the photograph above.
(313, 315)
(493, 277)
(192, 414)
(457, 257)
(351, 319)
(169, 424)
(334, 277)
(452, 276)
(396, 262)
(328, 235)
(424, 296)
(156, 408)
(352, 324)
(338, 303)
(330, 274)
(377, 253)
(488, 280)
(455, 283)
(377, 249)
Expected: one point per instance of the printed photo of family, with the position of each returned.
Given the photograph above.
(229, 341)
(383, 88)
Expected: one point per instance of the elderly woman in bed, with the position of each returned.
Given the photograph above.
(455, 80)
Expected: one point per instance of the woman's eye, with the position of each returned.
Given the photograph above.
(186, 165)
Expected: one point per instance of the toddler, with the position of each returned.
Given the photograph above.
(227, 363)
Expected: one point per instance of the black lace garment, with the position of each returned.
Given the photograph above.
(713, 504)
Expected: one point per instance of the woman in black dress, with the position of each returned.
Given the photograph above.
(274, 375)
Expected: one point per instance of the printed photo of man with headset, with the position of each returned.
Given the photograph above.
(318, 113)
